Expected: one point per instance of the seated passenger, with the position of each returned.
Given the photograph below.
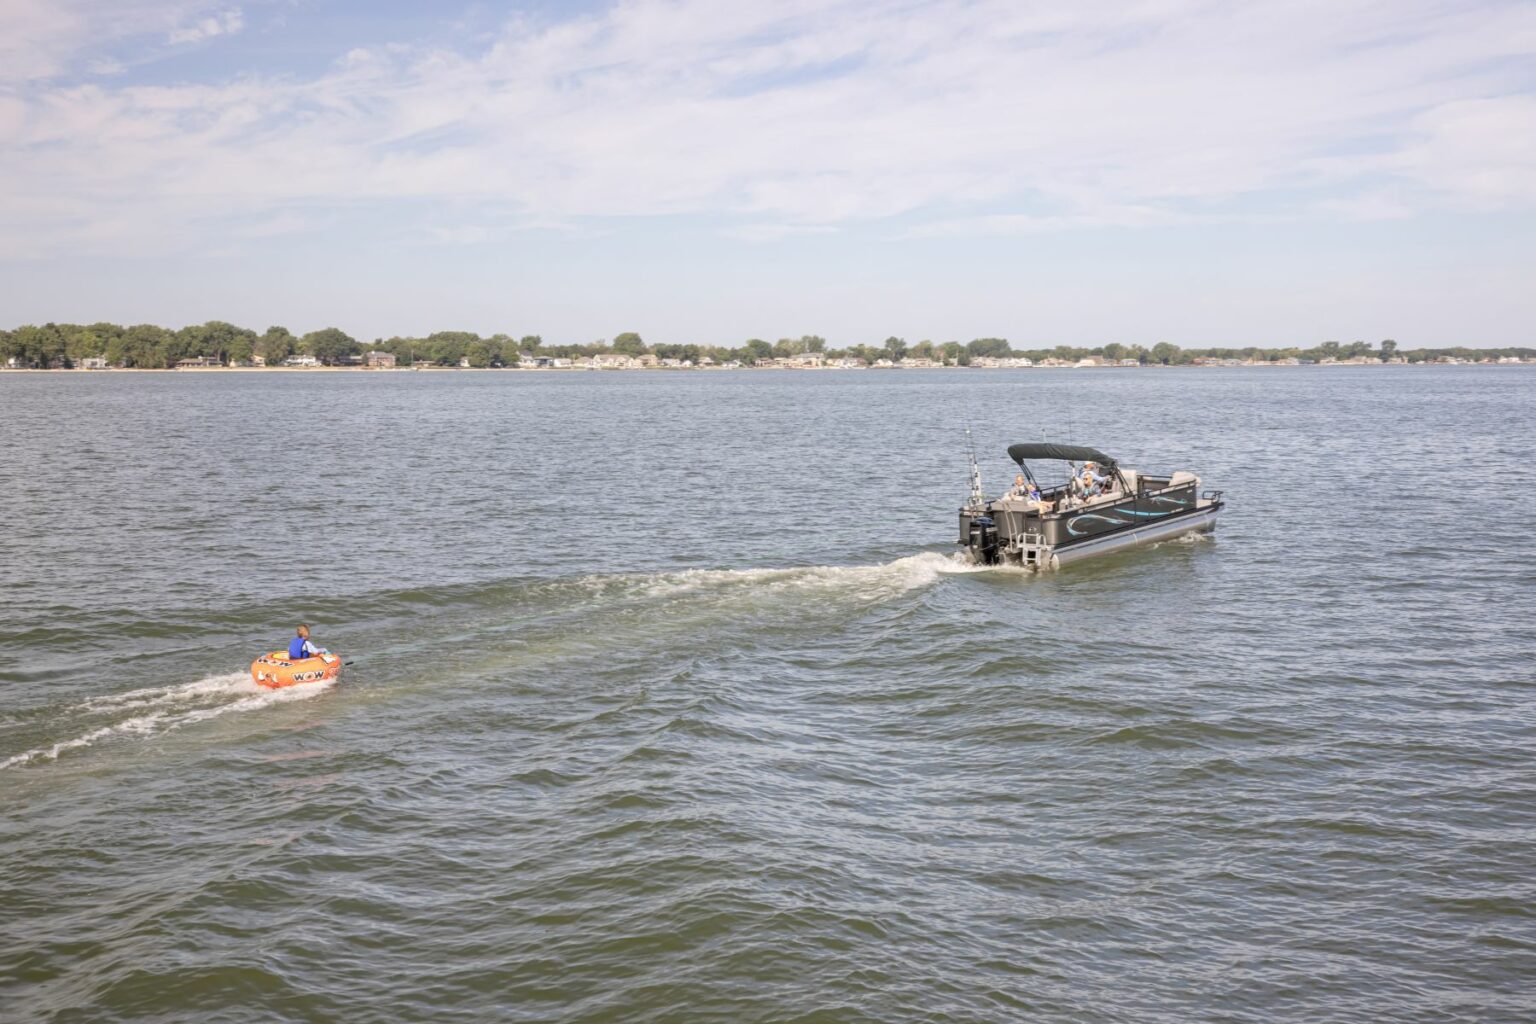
(1028, 492)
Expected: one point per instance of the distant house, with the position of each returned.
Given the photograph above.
(93, 363)
(301, 361)
(197, 363)
(381, 360)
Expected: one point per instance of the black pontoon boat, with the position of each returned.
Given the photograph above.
(1069, 521)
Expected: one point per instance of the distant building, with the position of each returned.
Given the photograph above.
(301, 361)
(197, 363)
(381, 360)
(93, 363)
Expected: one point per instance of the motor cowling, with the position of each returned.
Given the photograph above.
(983, 541)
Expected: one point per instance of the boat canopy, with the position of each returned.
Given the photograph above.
(1065, 452)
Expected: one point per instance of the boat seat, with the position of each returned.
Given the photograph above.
(1131, 476)
(1183, 476)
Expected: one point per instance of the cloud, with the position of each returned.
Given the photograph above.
(771, 232)
(45, 39)
(225, 23)
(980, 117)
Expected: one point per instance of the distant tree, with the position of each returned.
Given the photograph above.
(506, 350)
(447, 348)
(34, 346)
(813, 343)
(330, 345)
(757, 348)
(276, 344)
(1114, 351)
(215, 339)
(479, 354)
(82, 343)
(895, 349)
(629, 344)
(989, 347)
(530, 342)
(1388, 349)
(1164, 353)
(142, 346)
(1329, 349)
(407, 351)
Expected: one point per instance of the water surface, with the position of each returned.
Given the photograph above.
(671, 702)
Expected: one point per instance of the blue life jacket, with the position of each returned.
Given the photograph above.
(296, 648)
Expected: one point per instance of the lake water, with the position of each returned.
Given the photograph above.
(671, 702)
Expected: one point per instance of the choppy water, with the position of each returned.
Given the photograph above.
(671, 704)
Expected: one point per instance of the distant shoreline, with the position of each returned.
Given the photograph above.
(718, 369)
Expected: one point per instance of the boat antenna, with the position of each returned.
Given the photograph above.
(977, 500)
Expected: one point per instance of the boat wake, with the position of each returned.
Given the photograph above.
(158, 710)
(885, 579)
(632, 608)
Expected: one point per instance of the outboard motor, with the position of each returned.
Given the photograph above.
(983, 540)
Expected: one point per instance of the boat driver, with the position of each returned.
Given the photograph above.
(301, 647)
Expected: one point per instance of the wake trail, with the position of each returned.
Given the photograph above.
(155, 711)
(888, 578)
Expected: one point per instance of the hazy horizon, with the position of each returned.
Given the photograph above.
(1135, 173)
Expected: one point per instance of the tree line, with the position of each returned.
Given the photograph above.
(148, 346)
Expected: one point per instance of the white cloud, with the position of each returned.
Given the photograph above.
(224, 23)
(983, 117)
(42, 39)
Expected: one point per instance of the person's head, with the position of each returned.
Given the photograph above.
(1018, 481)
(303, 631)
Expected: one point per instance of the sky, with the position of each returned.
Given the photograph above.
(1204, 173)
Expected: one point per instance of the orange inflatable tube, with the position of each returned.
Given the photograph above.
(277, 670)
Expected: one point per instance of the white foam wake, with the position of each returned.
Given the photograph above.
(909, 573)
(173, 707)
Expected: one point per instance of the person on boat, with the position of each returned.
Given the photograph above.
(1092, 480)
(1028, 492)
(301, 647)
